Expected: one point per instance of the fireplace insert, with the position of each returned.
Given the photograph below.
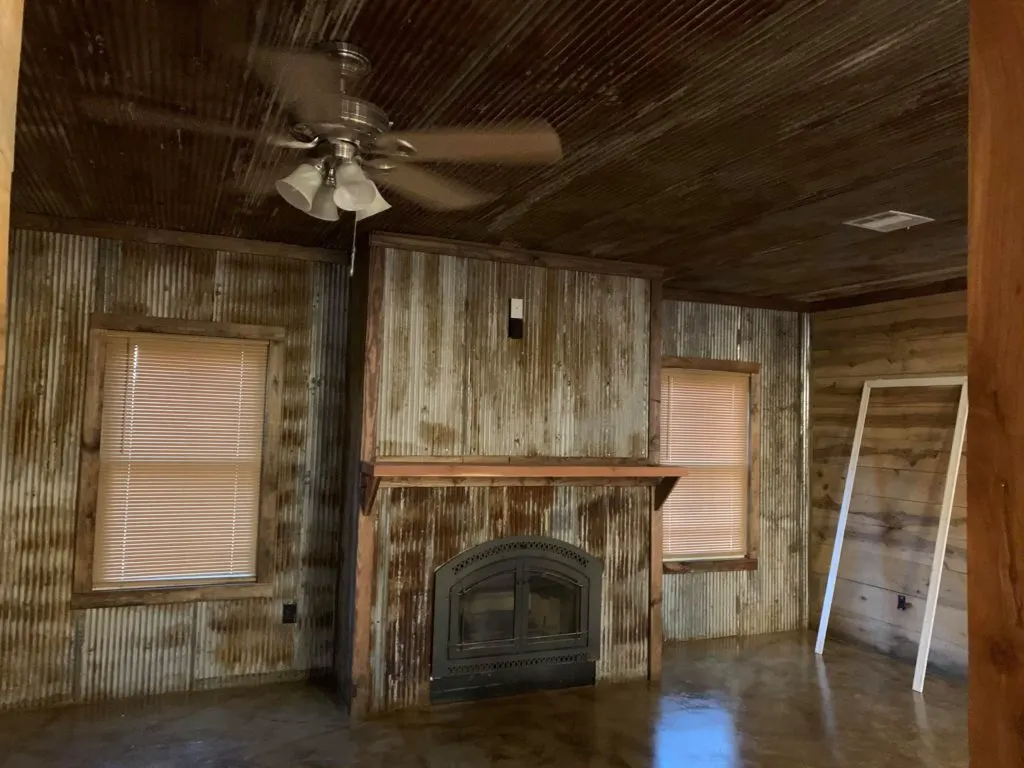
(515, 614)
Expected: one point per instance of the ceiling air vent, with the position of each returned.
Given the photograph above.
(888, 221)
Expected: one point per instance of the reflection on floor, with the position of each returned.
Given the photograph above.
(766, 702)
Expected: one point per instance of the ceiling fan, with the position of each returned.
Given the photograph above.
(348, 145)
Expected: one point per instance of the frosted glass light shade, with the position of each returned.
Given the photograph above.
(379, 205)
(323, 204)
(300, 186)
(353, 191)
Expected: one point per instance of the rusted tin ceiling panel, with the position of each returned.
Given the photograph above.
(420, 529)
(742, 131)
(770, 599)
(47, 653)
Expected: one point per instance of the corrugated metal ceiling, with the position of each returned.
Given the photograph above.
(725, 139)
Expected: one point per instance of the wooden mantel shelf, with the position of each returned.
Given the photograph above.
(564, 472)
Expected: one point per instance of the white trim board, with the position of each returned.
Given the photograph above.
(946, 511)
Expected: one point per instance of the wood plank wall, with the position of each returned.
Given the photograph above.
(899, 482)
(10, 57)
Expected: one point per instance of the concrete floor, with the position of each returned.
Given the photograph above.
(764, 702)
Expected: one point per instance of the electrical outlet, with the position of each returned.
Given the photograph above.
(901, 602)
(289, 613)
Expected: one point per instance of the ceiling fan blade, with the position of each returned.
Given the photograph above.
(259, 181)
(429, 189)
(513, 143)
(307, 82)
(126, 112)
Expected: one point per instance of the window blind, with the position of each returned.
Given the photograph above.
(705, 427)
(180, 456)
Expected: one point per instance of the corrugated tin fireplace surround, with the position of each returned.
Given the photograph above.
(515, 614)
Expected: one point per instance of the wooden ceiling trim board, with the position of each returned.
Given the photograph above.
(514, 255)
(952, 285)
(733, 299)
(170, 237)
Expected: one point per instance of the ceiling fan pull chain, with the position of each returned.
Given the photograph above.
(352, 249)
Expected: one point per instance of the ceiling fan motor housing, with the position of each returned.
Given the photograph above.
(356, 120)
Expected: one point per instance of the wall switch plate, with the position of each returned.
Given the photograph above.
(289, 613)
(515, 319)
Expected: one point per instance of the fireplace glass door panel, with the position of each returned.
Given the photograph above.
(487, 611)
(552, 606)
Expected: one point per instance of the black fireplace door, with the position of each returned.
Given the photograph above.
(515, 614)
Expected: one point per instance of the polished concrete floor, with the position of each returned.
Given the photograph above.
(764, 702)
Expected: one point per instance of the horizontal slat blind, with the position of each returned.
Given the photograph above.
(180, 457)
(705, 426)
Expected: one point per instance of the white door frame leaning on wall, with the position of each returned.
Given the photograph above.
(945, 514)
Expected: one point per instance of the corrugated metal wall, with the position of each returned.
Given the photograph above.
(772, 598)
(453, 383)
(50, 654)
(419, 529)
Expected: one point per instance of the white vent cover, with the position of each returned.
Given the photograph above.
(888, 221)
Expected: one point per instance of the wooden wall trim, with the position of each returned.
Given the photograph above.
(995, 370)
(655, 619)
(110, 231)
(515, 255)
(366, 526)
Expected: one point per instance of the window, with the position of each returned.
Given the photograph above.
(171, 498)
(709, 425)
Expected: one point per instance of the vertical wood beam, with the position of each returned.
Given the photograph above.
(10, 57)
(995, 369)
(654, 457)
(366, 527)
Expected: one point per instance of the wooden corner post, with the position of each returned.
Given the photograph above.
(995, 370)
(654, 457)
(10, 58)
(366, 524)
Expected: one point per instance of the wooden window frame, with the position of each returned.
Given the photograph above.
(749, 561)
(83, 595)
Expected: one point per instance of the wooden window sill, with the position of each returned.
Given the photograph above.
(703, 566)
(166, 595)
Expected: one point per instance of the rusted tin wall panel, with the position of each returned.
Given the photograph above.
(57, 281)
(423, 333)
(135, 651)
(771, 598)
(421, 528)
(160, 281)
(453, 383)
(324, 481)
(239, 638)
(616, 524)
(52, 291)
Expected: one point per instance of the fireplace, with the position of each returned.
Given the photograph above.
(513, 615)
